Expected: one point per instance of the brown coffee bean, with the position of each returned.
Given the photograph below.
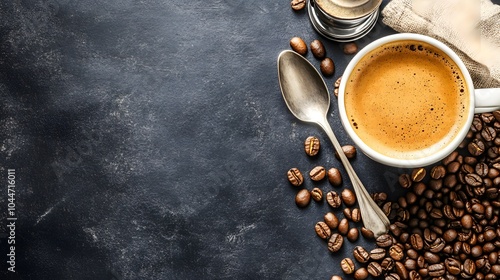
(353, 234)
(360, 254)
(331, 220)
(450, 235)
(436, 270)
(476, 147)
(350, 48)
(298, 45)
(418, 174)
(317, 49)
(349, 151)
(396, 252)
(333, 199)
(451, 157)
(375, 269)
(317, 194)
(467, 221)
(488, 133)
(322, 230)
(453, 167)
(312, 145)
(317, 173)
(348, 197)
(377, 254)
(347, 266)
(469, 267)
(295, 177)
(368, 234)
(438, 172)
(335, 242)
(298, 5)
(343, 227)
(336, 277)
(392, 276)
(334, 177)
(453, 266)
(327, 66)
(404, 180)
(413, 275)
(473, 180)
(336, 86)
(356, 215)
(416, 241)
(401, 270)
(384, 240)
(303, 198)
(361, 274)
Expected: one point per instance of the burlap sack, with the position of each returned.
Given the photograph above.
(470, 27)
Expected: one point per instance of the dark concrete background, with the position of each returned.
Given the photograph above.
(150, 141)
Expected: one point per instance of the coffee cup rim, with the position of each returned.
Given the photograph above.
(396, 162)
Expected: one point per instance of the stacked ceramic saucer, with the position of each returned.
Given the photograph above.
(343, 20)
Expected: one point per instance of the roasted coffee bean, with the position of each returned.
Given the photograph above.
(295, 177)
(488, 133)
(476, 147)
(384, 240)
(353, 234)
(377, 254)
(333, 199)
(368, 234)
(343, 227)
(450, 235)
(418, 174)
(347, 213)
(410, 264)
(495, 269)
(476, 251)
(334, 177)
(482, 169)
(303, 198)
(349, 151)
(322, 230)
(437, 246)
(416, 241)
(396, 252)
(453, 266)
(317, 173)
(436, 270)
(312, 145)
(350, 48)
(392, 276)
(298, 45)
(438, 172)
(298, 5)
(336, 86)
(401, 270)
(413, 275)
(360, 254)
(477, 124)
(375, 269)
(336, 277)
(361, 274)
(348, 197)
(356, 215)
(405, 181)
(487, 117)
(335, 242)
(317, 194)
(453, 167)
(317, 49)
(467, 221)
(469, 267)
(331, 220)
(347, 266)
(327, 66)
(450, 158)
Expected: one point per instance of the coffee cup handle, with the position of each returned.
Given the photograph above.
(487, 100)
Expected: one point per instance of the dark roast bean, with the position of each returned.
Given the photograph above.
(431, 258)
(298, 45)
(487, 117)
(303, 198)
(453, 266)
(384, 240)
(377, 254)
(473, 180)
(438, 172)
(392, 276)
(375, 269)
(317, 173)
(334, 177)
(327, 66)
(333, 199)
(295, 177)
(360, 254)
(405, 180)
(476, 147)
(416, 241)
(469, 267)
(488, 133)
(482, 169)
(450, 235)
(361, 274)
(450, 158)
(312, 146)
(348, 197)
(350, 48)
(437, 246)
(322, 230)
(413, 275)
(298, 5)
(401, 270)
(453, 167)
(347, 266)
(466, 221)
(335, 242)
(436, 270)
(477, 124)
(317, 49)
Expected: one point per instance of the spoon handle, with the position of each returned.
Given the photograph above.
(374, 218)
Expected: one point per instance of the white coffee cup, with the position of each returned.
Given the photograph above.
(479, 101)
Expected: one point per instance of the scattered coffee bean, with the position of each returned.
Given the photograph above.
(387, 264)
(343, 227)
(368, 234)
(347, 266)
(350, 48)
(360, 254)
(438, 172)
(418, 174)
(312, 145)
(295, 177)
(401, 270)
(298, 5)
(405, 180)
(317, 49)
(353, 234)
(396, 252)
(327, 66)
(361, 274)
(303, 198)
(335, 242)
(356, 215)
(375, 269)
(331, 220)
(334, 177)
(333, 199)
(317, 194)
(349, 152)
(384, 240)
(377, 254)
(317, 173)
(348, 197)
(322, 230)
(336, 86)
(476, 147)
(298, 45)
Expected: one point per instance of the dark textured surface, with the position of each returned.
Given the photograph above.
(150, 141)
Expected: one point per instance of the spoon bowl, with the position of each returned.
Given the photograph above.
(306, 96)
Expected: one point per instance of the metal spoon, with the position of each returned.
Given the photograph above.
(307, 97)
